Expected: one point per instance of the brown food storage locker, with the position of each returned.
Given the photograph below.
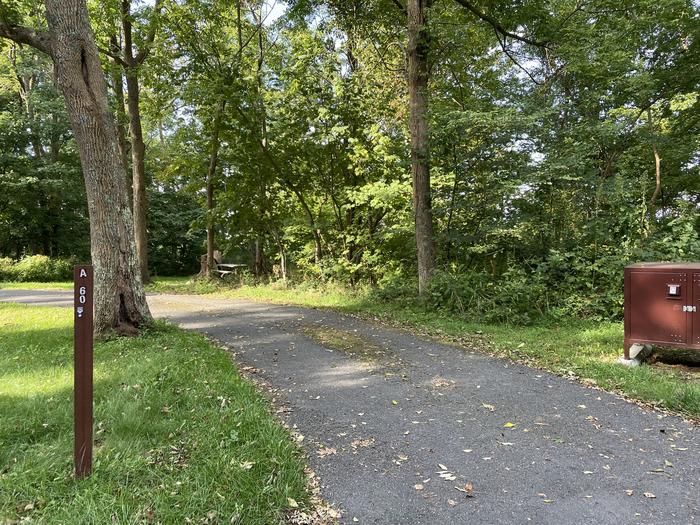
(661, 305)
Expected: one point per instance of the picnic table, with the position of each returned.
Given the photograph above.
(225, 268)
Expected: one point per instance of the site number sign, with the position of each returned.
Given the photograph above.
(82, 371)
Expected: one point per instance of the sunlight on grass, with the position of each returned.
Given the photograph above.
(64, 285)
(178, 434)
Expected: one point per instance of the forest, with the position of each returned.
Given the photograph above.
(504, 159)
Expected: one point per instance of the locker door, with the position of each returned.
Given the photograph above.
(657, 301)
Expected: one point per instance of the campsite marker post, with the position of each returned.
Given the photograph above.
(82, 371)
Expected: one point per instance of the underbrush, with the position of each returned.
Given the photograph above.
(35, 268)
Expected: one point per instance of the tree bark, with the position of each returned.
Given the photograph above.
(121, 119)
(138, 146)
(120, 301)
(418, 74)
(138, 170)
(657, 160)
(283, 255)
(259, 258)
(211, 176)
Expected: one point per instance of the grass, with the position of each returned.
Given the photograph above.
(180, 437)
(159, 284)
(11, 285)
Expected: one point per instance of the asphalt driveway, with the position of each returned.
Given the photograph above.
(401, 430)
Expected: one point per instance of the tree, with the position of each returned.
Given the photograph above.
(42, 193)
(125, 54)
(120, 301)
(418, 76)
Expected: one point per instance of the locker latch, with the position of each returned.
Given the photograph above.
(673, 290)
(690, 308)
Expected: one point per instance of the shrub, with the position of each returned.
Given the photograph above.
(7, 269)
(513, 298)
(39, 268)
(396, 286)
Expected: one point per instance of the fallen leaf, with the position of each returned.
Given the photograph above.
(510, 425)
(292, 503)
(629, 492)
(368, 442)
(649, 495)
(442, 467)
(468, 489)
(418, 486)
(394, 402)
(668, 463)
(490, 408)
(327, 451)
(451, 502)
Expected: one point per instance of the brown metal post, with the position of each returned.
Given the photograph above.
(82, 372)
(627, 311)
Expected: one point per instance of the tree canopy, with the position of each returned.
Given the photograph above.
(561, 140)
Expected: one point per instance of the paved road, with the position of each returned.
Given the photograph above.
(379, 433)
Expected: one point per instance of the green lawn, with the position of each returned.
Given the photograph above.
(180, 436)
(164, 284)
(11, 285)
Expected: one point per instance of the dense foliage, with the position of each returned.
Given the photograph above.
(563, 146)
(36, 268)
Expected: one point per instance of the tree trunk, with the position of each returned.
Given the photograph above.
(211, 175)
(121, 117)
(283, 255)
(417, 54)
(259, 258)
(138, 169)
(120, 302)
(657, 161)
(131, 65)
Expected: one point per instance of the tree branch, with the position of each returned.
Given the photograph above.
(113, 56)
(512, 58)
(498, 27)
(26, 35)
(402, 7)
(150, 36)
